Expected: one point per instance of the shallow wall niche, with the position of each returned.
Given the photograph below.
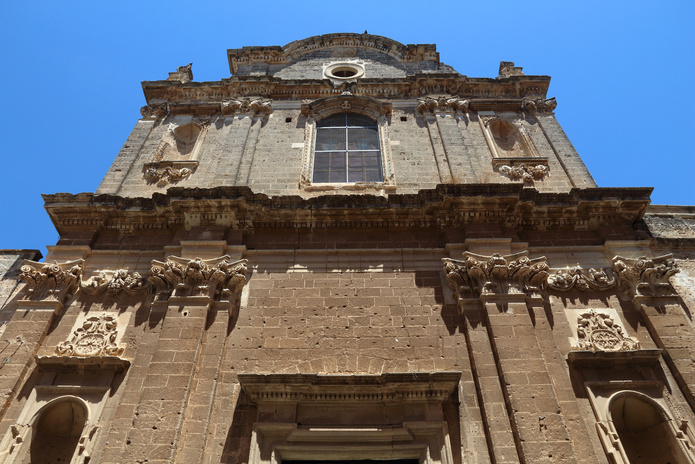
(639, 422)
(644, 432)
(57, 430)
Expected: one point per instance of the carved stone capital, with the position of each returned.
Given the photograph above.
(644, 276)
(479, 275)
(525, 172)
(154, 110)
(431, 105)
(256, 106)
(57, 281)
(539, 105)
(95, 337)
(219, 278)
(599, 332)
(574, 278)
(115, 282)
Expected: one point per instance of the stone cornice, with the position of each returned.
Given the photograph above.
(275, 54)
(446, 206)
(520, 89)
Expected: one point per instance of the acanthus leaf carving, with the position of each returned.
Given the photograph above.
(247, 105)
(599, 332)
(574, 278)
(154, 110)
(539, 105)
(479, 275)
(95, 337)
(431, 105)
(57, 281)
(644, 276)
(525, 172)
(115, 282)
(218, 278)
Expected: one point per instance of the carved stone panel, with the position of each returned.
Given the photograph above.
(57, 281)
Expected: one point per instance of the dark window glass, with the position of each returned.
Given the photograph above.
(347, 149)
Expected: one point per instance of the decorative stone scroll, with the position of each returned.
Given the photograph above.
(219, 278)
(479, 275)
(574, 278)
(539, 105)
(183, 74)
(599, 332)
(51, 281)
(431, 105)
(525, 172)
(247, 105)
(96, 337)
(164, 173)
(115, 282)
(644, 276)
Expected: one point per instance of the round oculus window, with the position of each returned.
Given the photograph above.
(344, 71)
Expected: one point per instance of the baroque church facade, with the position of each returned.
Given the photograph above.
(348, 251)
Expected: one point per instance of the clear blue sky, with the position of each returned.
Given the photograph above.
(623, 74)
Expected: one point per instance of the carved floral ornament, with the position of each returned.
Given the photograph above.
(599, 332)
(95, 337)
(55, 281)
(115, 282)
(526, 172)
(255, 106)
(165, 175)
(539, 105)
(574, 278)
(218, 278)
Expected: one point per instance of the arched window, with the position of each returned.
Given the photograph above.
(347, 150)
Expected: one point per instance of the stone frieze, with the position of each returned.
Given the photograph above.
(575, 278)
(115, 282)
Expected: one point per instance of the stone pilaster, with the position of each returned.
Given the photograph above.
(506, 289)
(645, 281)
(178, 384)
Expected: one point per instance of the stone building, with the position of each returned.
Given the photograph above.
(348, 251)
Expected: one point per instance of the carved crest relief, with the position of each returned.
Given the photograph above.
(95, 337)
(599, 332)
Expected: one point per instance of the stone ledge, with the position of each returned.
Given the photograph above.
(610, 359)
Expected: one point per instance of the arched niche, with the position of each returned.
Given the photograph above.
(56, 431)
(644, 430)
(507, 138)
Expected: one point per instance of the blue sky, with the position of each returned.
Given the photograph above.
(622, 72)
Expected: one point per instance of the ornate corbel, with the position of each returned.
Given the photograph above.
(219, 278)
(644, 276)
(115, 282)
(162, 174)
(57, 281)
(479, 275)
(574, 278)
